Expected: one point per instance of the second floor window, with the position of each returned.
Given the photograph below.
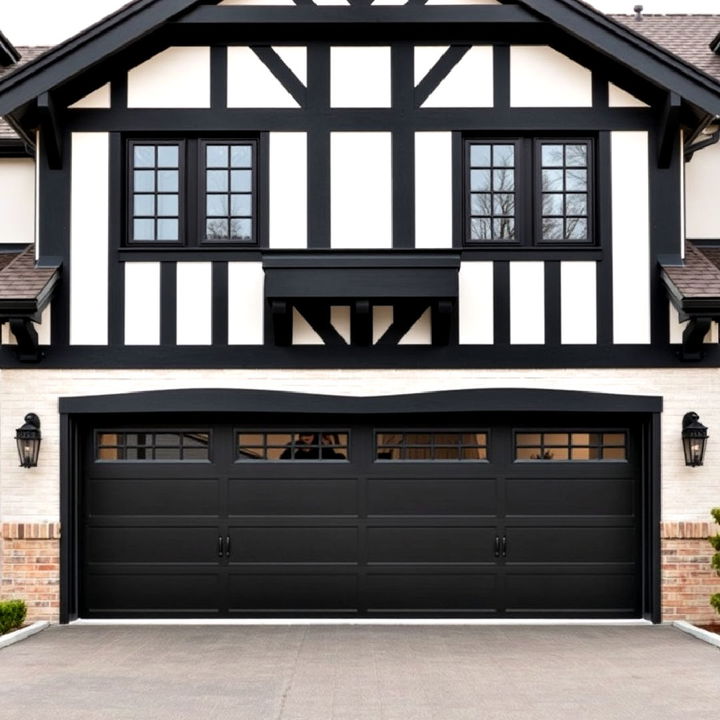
(191, 191)
(528, 192)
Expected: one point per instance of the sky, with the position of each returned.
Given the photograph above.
(47, 22)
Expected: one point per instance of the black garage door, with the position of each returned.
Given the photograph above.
(501, 516)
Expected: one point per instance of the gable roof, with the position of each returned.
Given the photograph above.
(687, 36)
(611, 36)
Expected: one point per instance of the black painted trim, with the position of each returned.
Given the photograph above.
(168, 303)
(219, 304)
(501, 308)
(604, 278)
(403, 149)
(318, 103)
(451, 401)
(552, 303)
(218, 77)
(501, 76)
(442, 68)
(283, 74)
(118, 92)
(116, 269)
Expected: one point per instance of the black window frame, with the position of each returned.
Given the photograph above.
(192, 191)
(528, 191)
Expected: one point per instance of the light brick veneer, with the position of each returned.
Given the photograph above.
(688, 580)
(30, 569)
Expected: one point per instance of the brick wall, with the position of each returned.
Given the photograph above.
(688, 580)
(31, 567)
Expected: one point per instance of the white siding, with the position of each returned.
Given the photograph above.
(194, 303)
(578, 303)
(178, 77)
(251, 85)
(475, 301)
(89, 239)
(433, 189)
(543, 77)
(360, 77)
(702, 209)
(17, 200)
(361, 190)
(96, 100)
(631, 237)
(469, 83)
(142, 303)
(527, 303)
(246, 303)
(288, 190)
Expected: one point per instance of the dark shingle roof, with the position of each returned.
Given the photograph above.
(26, 55)
(21, 279)
(687, 36)
(695, 283)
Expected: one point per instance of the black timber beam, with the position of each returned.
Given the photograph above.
(693, 338)
(50, 131)
(281, 313)
(28, 346)
(222, 15)
(669, 130)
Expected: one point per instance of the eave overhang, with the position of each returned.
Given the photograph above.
(20, 89)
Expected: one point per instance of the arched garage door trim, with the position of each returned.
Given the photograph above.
(223, 400)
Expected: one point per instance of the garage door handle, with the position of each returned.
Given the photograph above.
(220, 546)
(227, 546)
(497, 546)
(504, 546)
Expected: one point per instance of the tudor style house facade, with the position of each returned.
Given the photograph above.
(353, 309)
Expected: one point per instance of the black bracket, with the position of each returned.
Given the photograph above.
(50, 131)
(693, 337)
(28, 347)
(281, 313)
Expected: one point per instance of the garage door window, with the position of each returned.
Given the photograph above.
(292, 445)
(433, 446)
(152, 445)
(571, 445)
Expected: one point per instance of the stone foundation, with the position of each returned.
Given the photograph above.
(688, 580)
(30, 567)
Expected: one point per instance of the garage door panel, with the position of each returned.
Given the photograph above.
(292, 496)
(582, 593)
(294, 545)
(431, 592)
(571, 544)
(153, 496)
(133, 544)
(569, 496)
(430, 544)
(288, 592)
(432, 496)
(153, 592)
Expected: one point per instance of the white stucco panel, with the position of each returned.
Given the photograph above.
(96, 100)
(527, 303)
(178, 77)
(433, 190)
(702, 209)
(194, 303)
(89, 221)
(246, 303)
(142, 303)
(617, 97)
(361, 189)
(578, 303)
(425, 58)
(542, 77)
(250, 84)
(631, 237)
(469, 83)
(476, 303)
(17, 200)
(360, 77)
(288, 190)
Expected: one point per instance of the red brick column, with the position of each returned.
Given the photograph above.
(688, 580)
(30, 567)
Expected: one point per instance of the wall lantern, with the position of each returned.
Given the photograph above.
(694, 437)
(28, 441)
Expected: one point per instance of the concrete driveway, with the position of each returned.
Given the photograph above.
(359, 673)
